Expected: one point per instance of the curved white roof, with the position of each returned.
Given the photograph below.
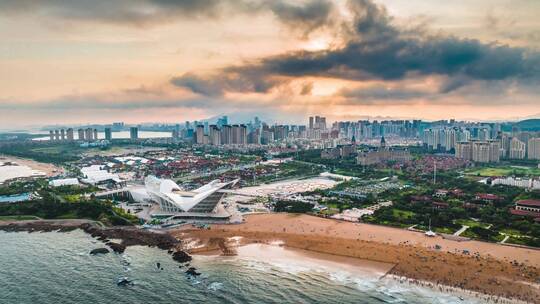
(168, 190)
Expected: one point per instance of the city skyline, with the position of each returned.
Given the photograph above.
(172, 61)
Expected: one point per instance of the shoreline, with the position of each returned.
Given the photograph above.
(128, 235)
(281, 253)
(485, 270)
(480, 274)
(368, 270)
(48, 169)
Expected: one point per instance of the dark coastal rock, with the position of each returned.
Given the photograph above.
(165, 245)
(118, 248)
(193, 271)
(181, 257)
(99, 251)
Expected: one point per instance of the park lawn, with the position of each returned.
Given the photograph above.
(471, 223)
(468, 233)
(18, 217)
(499, 238)
(72, 198)
(446, 230)
(518, 240)
(329, 211)
(503, 171)
(393, 224)
(402, 214)
(512, 232)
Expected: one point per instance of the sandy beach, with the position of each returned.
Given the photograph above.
(48, 169)
(501, 271)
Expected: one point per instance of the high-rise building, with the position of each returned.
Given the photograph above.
(239, 134)
(134, 133)
(450, 139)
(224, 120)
(89, 134)
(175, 134)
(533, 150)
(517, 149)
(320, 123)
(226, 135)
(214, 136)
(108, 134)
(480, 152)
(485, 151)
(484, 134)
(254, 137)
(235, 134)
(56, 134)
(63, 134)
(243, 135)
(280, 132)
(80, 134)
(70, 135)
(464, 150)
(95, 134)
(199, 134)
(494, 151)
(311, 123)
(51, 135)
(118, 126)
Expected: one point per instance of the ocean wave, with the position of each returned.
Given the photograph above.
(215, 286)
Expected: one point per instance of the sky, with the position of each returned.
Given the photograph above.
(100, 61)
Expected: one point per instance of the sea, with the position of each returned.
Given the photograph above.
(54, 267)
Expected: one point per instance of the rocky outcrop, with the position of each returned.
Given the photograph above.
(118, 248)
(181, 257)
(192, 271)
(99, 251)
(128, 235)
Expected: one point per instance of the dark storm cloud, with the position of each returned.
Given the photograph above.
(377, 49)
(307, 16)
(311, 16)
(134, 12)
(233, 79)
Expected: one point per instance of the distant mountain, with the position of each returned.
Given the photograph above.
(247, 116)
(528, 125)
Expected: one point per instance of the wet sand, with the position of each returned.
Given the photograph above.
(48, 169)
(492, 269)
(291, 257)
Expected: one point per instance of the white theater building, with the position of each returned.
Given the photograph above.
(173, 200)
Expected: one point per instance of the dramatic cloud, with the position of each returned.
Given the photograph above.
(306, 16)
(311, 16)
(232, 80)
(377, 49)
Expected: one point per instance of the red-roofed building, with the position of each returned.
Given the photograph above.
(457, 192)
(527, 208)
(440, 205)
(529, 205)
(487, 197)
(441, 193)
